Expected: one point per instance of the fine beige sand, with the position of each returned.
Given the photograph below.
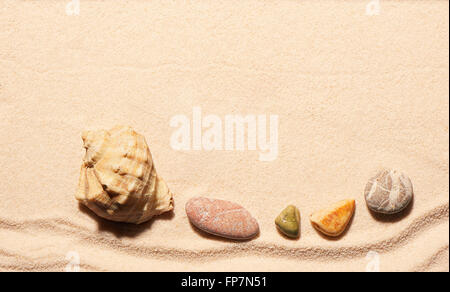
(353, 93)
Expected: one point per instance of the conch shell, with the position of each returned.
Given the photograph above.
(118, 180)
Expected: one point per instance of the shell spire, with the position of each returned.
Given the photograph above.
(118, 180)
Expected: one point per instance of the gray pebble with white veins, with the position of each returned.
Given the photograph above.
(388, 192)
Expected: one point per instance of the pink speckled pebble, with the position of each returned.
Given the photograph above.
(221, 218)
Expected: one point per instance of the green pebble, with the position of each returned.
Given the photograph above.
(288, 222)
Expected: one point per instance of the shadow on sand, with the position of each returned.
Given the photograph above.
(392, 218)
(119, 229)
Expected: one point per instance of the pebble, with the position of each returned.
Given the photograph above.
(221, 218)
(288, 222)
(333, 220)
(388, 192)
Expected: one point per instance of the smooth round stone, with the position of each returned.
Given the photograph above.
(288, 222)
(388, 192)
(221, 218)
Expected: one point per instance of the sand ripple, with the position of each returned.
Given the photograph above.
(64, 227)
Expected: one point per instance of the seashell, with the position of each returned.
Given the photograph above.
(288, 222)
(388, 192)
(118, 180)
(333, 220)
(221, 218)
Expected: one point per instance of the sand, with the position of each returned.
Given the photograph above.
(353, 93)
